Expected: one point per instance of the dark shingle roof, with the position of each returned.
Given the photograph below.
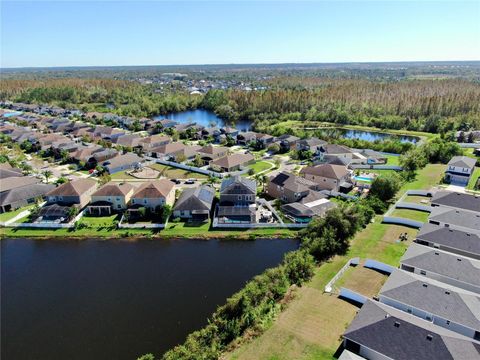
(199, 198)
(462, 161)
(457, 200)
(461, 218)
(24, 193)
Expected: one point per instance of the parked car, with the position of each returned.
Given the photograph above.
(176, 181)
(190, 181)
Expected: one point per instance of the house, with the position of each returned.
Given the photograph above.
(166, 124)
(128, 161)
(21, 191)
(287, 142)
(175, 151)
(154, 141)
(7, 171)
(264, 140)
(315, 204)
(109, 198)
(457, 219)
(459, 170)
(98, 157)
(246, 138)
(368, 157)
(128, 140)
(209, 153)
(107, 132)
(443, 266)
(237, 200)
(444, 305)
(456, 200)
(456, 241)
(83, 153)
(289, 187)
(328, 176)
(312, 144)
(380, 332)
(331, 151)
(77, 192)
(232, 162)
(195, 204)
(153, 194)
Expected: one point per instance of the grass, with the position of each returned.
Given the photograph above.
(121, 175)
(417, 199)
(411, 214)
(11, 214)
(175, 173)
(260, 166)
(393, 160)
(311, 325)
(473, 179)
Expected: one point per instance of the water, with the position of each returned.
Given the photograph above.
(68, 299)
(363, 178)
(204, 118)
(373, 136)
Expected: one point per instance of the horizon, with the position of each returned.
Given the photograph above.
(41, 34)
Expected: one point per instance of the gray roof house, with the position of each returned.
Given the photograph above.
(15, 198)
(195, 204)
(459, 170)
(466, 243)
(448, 268)
(455, 219)
(445, 305)
(237, 200)
(123, 162)
(382, 332)
(456, 200)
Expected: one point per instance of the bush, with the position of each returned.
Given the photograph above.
(384, 187)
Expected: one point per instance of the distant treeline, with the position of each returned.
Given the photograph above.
(419, 105)
(435, 106)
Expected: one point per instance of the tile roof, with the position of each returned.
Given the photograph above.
(114, 189)
(326, 170)
(154, 189)
(73, 188)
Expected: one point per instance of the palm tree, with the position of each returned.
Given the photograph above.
(47, 174)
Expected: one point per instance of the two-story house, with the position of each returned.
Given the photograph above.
(459, 170)
(328, 176)
(154, 194)
(237, 200)
(288, 187)
(110, 197)
(77, 192)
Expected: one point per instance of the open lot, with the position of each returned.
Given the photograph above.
(175, 173)
(423, 200)
(365, 281)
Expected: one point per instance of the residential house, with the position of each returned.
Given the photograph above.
(209, 153)
(315, 204)
(444, 305)
(19, 191)
(128, 140)
(466, 221)
(237, 200)
(128, 161)
(287, 142)
(195, 204)
(452, 269)
(312, 144)
(381, 332)
(331, 151)
(98, 157)
(76, 192)
(232, 162)
(459, 170)
(462, 242)
(83, 153)
(107, 132)
(289, 187)
(328, 176)
(110, 197)
(153, 141)
(264, 140)
(246, 138)
(153, 194)
(456, 200)
(175, 151)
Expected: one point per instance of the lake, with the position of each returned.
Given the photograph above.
(375, 136)
(204, 118)
(68, 299)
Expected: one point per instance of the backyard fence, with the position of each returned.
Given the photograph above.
(402, 221)
(413, 206)
(122, 225)
(377, 265)
(420, 193)
(353, 261)
(352, 295)
(376, 167)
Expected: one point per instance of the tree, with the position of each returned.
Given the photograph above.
(47, 174)
(385, 186)
(104, 178)
(181, 158)
(61, 180)
(165, 212)
(299, 266)
(274, 148)
(198, 162)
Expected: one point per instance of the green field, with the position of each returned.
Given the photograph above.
(11, 214)
(473, 179)
(175, 173)
(411, 214)
(260, 166)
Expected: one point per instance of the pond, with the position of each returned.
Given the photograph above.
(204, 118)
(368, 135)
(67, 299)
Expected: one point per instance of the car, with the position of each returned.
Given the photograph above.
(190, 181)
(176, 181)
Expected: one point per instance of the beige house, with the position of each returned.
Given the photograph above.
(232, 162)
(77, 192)
(110, 197)
(328, 176)
(154, 194)
(288, 187)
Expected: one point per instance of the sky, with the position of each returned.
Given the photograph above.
(111, 33)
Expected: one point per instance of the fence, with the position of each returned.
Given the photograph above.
(469, 145)
(420, 193)
(188, 168)
(402, 221)
(332, 193)
(352, 295)
(376, 167)
(413, 206)
(353, 261)
(377, 265)
(121, 225)
(45, 225)
(216, 224)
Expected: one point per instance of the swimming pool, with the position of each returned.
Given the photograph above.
(16, 113)
(363, 178)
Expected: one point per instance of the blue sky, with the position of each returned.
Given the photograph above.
(81, 33)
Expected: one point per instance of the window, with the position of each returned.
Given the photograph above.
(409, 311)
(448, 322)
(144, 201)
(423, 272)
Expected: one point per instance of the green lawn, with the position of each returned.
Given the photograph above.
(427, 177)
(393, 160)
(11, 214)
(411, 214)
(121, 175)
(175, 173)
(423, 200)
(260, 166)
(473, 179)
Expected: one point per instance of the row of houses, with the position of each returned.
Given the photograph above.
(429, 308)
